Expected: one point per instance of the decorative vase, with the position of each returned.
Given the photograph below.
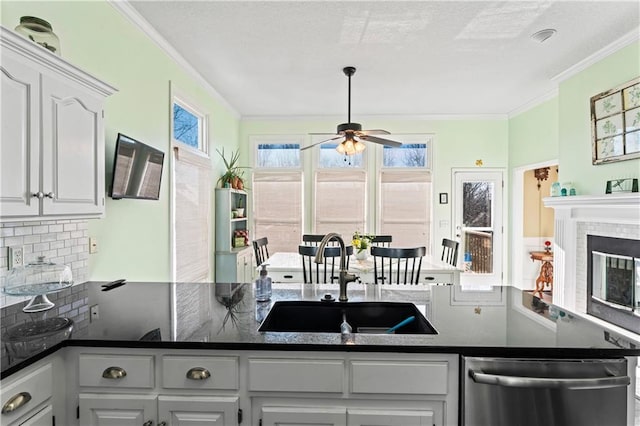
(39, 31)
(362, 254)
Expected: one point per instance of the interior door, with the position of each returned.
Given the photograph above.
(478, 224)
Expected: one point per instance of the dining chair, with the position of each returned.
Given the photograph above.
(314, 240)
(450, 251)
(261, 250)
(322, 273)
(382, 240)
(394, 265)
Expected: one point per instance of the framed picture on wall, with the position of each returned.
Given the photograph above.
(615, 123)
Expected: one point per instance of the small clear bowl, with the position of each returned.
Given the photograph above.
(27, 339)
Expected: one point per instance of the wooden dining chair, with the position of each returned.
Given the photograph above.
(314, 240)
(382, 240)
(261, 250)
(394, 265)
(450, 251)
(322, 273)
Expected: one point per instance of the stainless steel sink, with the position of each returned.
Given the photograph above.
(325, 317)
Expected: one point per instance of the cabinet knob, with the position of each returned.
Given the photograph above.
(114, 373)
(16, 402)
(148, 423)
(39, 195)
(162, 424)
(50, 194)
(198, 373)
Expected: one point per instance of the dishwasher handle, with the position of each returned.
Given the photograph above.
(544, 382)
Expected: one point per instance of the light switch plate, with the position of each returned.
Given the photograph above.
(93, 245)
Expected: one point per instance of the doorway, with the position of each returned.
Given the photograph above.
(478, 219)
(532, 223)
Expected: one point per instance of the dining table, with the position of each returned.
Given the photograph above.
(286, 267)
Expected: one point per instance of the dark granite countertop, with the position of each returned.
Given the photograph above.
(503, 321)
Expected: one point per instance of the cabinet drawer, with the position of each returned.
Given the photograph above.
(34, 388)
(401, 377)
(131, 371)
(436, 278)
(296, 375)
(191, 372)
(285, 277)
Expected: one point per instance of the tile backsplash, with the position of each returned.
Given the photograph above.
(60, 241)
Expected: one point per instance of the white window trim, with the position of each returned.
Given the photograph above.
(182, 99)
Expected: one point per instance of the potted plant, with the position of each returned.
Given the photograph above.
(232, 177)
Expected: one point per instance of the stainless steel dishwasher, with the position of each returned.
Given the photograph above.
(534, 392)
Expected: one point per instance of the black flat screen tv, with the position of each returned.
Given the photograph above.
(137, 170)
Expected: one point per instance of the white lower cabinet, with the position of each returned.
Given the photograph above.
(162, 387)
(98, 409)
(353, 389)
(155, 388)
(27, 398)
(341, 416)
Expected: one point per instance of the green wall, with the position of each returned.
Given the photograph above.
(134, 238)
(574, 152)
(533, 135)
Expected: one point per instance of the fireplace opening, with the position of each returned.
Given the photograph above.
(613, 280)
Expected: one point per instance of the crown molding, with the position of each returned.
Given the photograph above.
(378, 117)
(590, 60)
(137, 20)
(534, 102)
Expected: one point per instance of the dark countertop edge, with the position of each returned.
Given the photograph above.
(476, 351)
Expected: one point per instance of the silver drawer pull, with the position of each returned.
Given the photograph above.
(148, 423)
(50, 195)
(114, 373)
(198, 373)
(39, 195)
(162, 424)
(16, 402)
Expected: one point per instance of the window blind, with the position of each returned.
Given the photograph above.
(277, 208)
(340, 200)
(405, 207)
(192, 183)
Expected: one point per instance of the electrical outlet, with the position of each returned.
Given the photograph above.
(94, 313)
(15, 257)
(93, 245)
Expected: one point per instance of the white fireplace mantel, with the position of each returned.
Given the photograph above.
(610, 208)
(618, 214)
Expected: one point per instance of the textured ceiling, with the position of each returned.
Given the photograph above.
(275, 58)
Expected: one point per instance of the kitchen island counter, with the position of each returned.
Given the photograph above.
(502, 322)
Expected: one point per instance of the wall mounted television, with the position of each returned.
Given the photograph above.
(137, 170)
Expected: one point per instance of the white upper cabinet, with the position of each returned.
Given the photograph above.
(52, 135)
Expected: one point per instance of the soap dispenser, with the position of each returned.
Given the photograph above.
(263, 285)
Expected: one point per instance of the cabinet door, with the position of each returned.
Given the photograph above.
(307, 416)
(376, 417)
(44, 417)
(72, 149)
(197, 410)
(116, 410)
(19, 138)
(245, 266)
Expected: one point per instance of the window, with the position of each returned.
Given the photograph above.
(330, 158)
(277, 191)
(188, 126)
(340, 201)
(404, 204)
(191, 191)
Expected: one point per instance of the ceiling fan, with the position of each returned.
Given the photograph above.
(352, 133)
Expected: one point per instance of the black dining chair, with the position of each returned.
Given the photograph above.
(450, 251)
(322, 273)
(314, 240)
(382, 240)
(261, 250)
(394, 265)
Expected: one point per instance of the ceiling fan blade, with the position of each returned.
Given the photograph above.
(375, 132)
(321, 142)
(387, 142)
